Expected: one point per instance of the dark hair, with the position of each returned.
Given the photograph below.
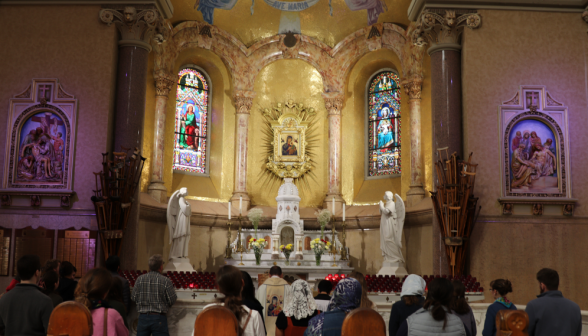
(248, 288)
(50, 279)
(325, 286)
(276, 270)
(365, 301)
(410, 300)
(439, 296)
(502, 286)
(116, 290)
(93, 286)
(112, 263)
(230, 282)
(549, 278)
(51, 265)
(460, 305)
(66, 269)
(27, 266)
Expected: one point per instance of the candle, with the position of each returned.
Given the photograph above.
(343, 211)
(229, 210)
(240, 205)
(333, 207)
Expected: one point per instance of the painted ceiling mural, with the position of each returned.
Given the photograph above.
(329, 21)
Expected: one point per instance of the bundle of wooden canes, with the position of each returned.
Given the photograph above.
(113, 198)
(455, 206)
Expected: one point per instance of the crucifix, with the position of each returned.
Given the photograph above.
(46, 121)
(194, 296)
(44, 92)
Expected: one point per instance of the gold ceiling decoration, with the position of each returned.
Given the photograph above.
(290, 140)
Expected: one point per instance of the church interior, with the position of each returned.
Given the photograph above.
(298, 123)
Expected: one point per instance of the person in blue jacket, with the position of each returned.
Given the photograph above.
(499, 289)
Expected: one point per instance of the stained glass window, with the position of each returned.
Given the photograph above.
(190, 143)
(384, 125)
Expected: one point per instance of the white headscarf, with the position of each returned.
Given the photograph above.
(413, 285)
(299, 300)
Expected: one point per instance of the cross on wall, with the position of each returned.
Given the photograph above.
(44, 92)
(46, 121)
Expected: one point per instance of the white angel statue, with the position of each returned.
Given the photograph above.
(178, 222)
(391, 225)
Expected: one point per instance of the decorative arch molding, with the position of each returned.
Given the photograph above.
(244, 63)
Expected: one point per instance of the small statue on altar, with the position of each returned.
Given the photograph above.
(391, 225)
(178, 222)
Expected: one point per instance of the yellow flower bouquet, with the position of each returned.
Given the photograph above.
(287, 250)
(257, 245)
(319, 246)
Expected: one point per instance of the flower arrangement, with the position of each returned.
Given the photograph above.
(255, 216)
(323, 217)
(257, 245)
(287, 250)
(319, 246)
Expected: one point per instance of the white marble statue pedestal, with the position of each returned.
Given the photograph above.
(393, 268)
(178, 264)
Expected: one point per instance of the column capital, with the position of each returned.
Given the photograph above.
(243, 101)
(442, 28)
(334, 102)
(164, 81)
(413, 86)
(136, 26)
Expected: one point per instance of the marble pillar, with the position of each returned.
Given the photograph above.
(334, 105)
(243, 103)
(164, 82)
(442, 32)
(416, 193)
(136, 29)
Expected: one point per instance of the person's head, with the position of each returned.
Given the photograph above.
(521, 146)
(526, 135)
(500, 287)
(116, 290)
(59, 135)
(248, 288)
(190, 109)
(549, 142)
(299, 302)
(230, 283)
(274, 301)
(365, 301)
(533, 134)
(413, 289)
(439, 298)
(112, 263)
(388, 196)
(276, 270)
(51, 265)
(51, 280)
(289, 139)
(538, 146)
(94, 285)
(548, 280)
(156, 263)
(66, 270)
(325, 286)
(28, 268)
(460, 304)
(518, 134)
(346, 296)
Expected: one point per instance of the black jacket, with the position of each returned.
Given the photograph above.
(553, 315)
(400, 312)
(66, 288)
(254, 304)
(25, 310)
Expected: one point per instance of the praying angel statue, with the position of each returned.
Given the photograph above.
(391, 225)
(178, 222)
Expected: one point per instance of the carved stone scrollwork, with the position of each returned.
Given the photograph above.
(163, 83)
(568, 210)
(444, 29)
(243, 102)
(6, 200)
(136, 27)
(507, 209)
(413, 87)
(334, 105)
(35, 200)
(537, 209)
(65, 201)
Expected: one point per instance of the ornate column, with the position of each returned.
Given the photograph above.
(163, 84)
(136, 29)
(334, 105)
(413, 87)
(243, 103)
(443, 33)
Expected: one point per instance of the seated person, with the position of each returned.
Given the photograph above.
(25, 310)
(322, 299)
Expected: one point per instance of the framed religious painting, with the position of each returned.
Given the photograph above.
(534, 144)
(40, 146)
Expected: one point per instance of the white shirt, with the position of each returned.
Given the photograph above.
(255, 325)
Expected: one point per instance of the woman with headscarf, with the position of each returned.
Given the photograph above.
(411, 300)
(300, 308)
(346, 297)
